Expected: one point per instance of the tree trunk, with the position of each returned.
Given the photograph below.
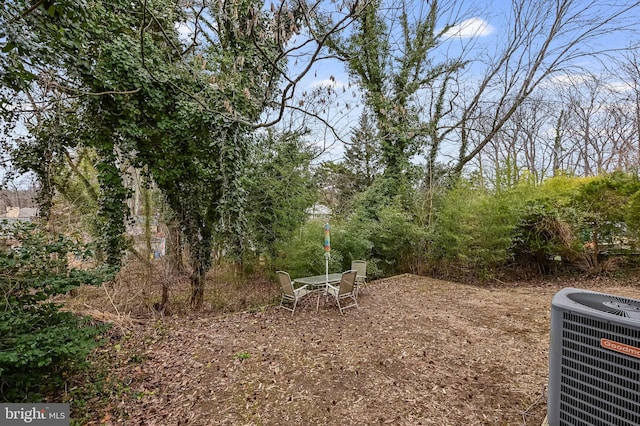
(197, 288)
(200, 263)
(174, 247)
(165, 295)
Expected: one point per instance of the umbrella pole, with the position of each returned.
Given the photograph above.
(326, 258)
(327, 249)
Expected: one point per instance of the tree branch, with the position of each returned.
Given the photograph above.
(28, 11)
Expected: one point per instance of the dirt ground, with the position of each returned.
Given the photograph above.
(417, 351)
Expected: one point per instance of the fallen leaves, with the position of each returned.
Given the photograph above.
(417, 351)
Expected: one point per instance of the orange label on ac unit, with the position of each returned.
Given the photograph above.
(620, 347)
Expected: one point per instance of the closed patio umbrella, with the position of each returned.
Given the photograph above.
(327, 248)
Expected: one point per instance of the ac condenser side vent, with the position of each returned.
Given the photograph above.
(594, 360)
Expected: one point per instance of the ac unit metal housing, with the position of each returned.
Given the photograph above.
(594, 360)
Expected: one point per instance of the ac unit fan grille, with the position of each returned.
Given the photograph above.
(598, 386)
(614, 305)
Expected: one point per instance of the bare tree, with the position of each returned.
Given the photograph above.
(581, 124)
(619, 135)
(546, 38)
(523, 148)
(599, 128)
(628, 70)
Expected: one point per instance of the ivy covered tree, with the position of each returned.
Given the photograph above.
(125, 81)
(390, 81)
(173, 89)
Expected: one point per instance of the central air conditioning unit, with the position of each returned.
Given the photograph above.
(594, 359)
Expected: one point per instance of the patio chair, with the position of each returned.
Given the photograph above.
(361, 277)
(345, 290)
(290, 294)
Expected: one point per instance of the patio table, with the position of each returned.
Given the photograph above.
(318, 283)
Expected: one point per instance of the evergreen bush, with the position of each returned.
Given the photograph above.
(40, 344)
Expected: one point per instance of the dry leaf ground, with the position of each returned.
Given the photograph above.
(418, 351)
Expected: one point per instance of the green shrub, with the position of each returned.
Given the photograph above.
(303, 255)
(39, 344)
(398, 244)
(633, 214)
(609, 204)
(352, 240)
(383, 230)
(473, 231)
(545, 238)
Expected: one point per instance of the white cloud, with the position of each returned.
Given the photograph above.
(577, 80)
(185, 32)
(328, 82)
(619, 87)
(569, 79)
(474, 27)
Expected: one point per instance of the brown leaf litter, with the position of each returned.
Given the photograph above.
(417, 351)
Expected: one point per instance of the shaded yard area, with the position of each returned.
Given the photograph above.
(418, 351)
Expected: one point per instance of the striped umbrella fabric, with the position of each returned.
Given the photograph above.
(327, 238)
